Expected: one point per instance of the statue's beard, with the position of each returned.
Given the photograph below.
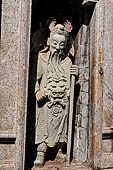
(54, 62)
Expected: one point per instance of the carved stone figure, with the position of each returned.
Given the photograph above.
(52, 91)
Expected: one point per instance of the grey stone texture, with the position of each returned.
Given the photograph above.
(81, 134)
(100, 114)
(95, 114)
(107, 84)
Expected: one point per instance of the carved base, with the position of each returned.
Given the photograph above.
(56, 165)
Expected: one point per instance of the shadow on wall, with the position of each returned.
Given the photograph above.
(42, 10)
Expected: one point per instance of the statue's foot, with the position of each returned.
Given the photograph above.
(39, 162)
(60, 156)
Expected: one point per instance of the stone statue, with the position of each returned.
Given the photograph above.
(52, 91)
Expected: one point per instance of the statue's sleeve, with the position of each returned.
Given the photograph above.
(39, 74)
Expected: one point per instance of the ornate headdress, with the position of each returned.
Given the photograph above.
(60, 29)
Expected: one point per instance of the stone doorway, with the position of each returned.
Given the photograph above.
(79, 16)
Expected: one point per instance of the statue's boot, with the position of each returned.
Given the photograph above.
(41, 149)
(39, 162)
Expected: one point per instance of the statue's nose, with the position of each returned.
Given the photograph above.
(57, 47)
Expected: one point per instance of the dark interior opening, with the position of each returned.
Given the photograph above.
(42, 12)
(60, 10)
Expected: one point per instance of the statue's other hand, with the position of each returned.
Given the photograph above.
(41, 94)
(74, 70)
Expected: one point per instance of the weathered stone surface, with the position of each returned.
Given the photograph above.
(6, 167)
(63, 166)
(95, 114)
(81, 135)
(107, 161)
(9, 66)
(13, 81)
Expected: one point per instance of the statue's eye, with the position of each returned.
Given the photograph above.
(62, 45)
(54, 43)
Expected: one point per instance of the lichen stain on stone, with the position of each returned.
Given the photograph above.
(100, 54)
(93, 64)
(91, 150)
(95, 98)
(96, 77)
(93, 89)
(94, 144)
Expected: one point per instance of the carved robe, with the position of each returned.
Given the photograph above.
(52, 113)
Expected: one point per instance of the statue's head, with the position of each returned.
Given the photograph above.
(58, 37)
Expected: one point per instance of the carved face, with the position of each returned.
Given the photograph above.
(57, 44)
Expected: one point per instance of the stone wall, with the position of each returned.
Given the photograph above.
(95, 105)
(98, 94)
(81, 128)
(100, 110)
(107, 147)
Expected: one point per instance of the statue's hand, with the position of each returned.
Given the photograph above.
(74, 70)
(41, 94)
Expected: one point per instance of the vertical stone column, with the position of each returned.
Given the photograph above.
(81, 129)
(96, 87)
(108, 86)
(15, 40)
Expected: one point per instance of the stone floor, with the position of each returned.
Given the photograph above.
(56, 165)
